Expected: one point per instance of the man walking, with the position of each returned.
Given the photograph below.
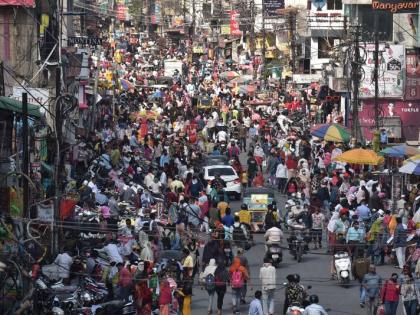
(371, 284)
(268, 284)
(255, 308)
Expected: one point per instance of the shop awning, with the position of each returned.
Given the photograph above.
(13, 105)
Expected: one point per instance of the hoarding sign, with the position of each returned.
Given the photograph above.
(391, 71)
(20, 3)
(271, 7)
(408, 112)
(35, 95)
(412, 83)
(234, 25)
(396, 6)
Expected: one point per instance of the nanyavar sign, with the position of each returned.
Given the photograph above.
(396, 6)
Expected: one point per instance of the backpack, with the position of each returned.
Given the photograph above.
(238, 234)
(269, 220)
(209, 282)
(237, 280)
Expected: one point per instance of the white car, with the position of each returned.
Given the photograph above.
(229, 175)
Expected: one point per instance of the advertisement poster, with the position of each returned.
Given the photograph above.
(408, 113)
(234, 25)
(121, 10)
(271, 7)
(20, 3)
(412, 83)
(390, 74)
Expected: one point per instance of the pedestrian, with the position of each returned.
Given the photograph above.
(314, 308)
(63, 264)
(221, 279)
(165, 297)
(207, 277)
(281, 176)
(238, 276)
(410, 293)
(400, 242)
(318, 224)
(268, 284)
(371, 284)
(255, 308)
(245, 264)
(390, 295)
(125, 282)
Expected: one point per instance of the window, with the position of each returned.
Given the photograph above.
(367, 20)
(324, 46)
(225, 171)
(334, 4)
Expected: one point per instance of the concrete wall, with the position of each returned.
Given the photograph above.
(18, 44)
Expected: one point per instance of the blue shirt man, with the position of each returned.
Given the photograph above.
(362, 211)
(255, 308)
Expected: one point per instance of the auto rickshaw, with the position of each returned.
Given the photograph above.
(257, 199)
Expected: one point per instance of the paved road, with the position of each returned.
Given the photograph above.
(314, 271)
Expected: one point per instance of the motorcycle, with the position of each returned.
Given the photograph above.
(116, 307)
(296, 243)
(274, 252)
(342, 265)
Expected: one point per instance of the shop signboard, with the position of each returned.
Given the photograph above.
(234, 24)
(35, 95)
(306, 78)
(396, 6)
(392, 114)
(225, 29)
(412, 83)
(391, 71)
(271, 7)
(19, 3)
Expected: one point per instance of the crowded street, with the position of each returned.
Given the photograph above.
(159, 161)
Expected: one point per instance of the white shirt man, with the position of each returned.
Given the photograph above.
(221, 136)
(112, 251)
(273, 235)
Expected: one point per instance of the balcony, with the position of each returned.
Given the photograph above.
(326, 23)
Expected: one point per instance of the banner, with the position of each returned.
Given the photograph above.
(396, 6)
(390, 74)
(20, 3)
(412, 83)
(407, 112)
(234, 25)
(271, 7)
(121, 10)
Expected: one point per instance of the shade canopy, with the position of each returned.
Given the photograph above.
(360, 156)
(13, 105)
(331, 132)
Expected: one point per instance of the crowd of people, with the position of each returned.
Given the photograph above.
(140, 171)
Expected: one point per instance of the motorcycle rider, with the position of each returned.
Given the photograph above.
(273, 236)
(314, 308)
(295, 292)
(240, 234)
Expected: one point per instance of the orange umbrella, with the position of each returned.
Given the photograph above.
(360, 156)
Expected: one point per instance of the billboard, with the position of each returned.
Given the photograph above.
(396, 6)
(407, 112)
(234, 25)
(390, 74)
(20, 3)
(412, 82)
(271, 7)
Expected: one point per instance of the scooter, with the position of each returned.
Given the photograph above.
(342, 264)
(274, 252)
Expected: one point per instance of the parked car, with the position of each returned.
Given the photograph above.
(229, 175)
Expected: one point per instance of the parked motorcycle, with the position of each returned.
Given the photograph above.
(342, 263)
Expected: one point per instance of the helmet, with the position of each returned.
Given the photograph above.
(293, 278)
(244, 206)
(313, 299)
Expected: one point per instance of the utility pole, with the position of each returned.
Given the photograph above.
(193, 20)
(264, 48)
(252, 30)
(292, 22)
(376, 70)
(25, 143)
(57, 163)
(355, 74)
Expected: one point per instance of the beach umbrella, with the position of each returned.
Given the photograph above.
(229, 75)
(331, 132)
(412, 158)
(360, 156)
(246, 89)
(400, 151)
(411, 167)
(243, 79)
(126, 85)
